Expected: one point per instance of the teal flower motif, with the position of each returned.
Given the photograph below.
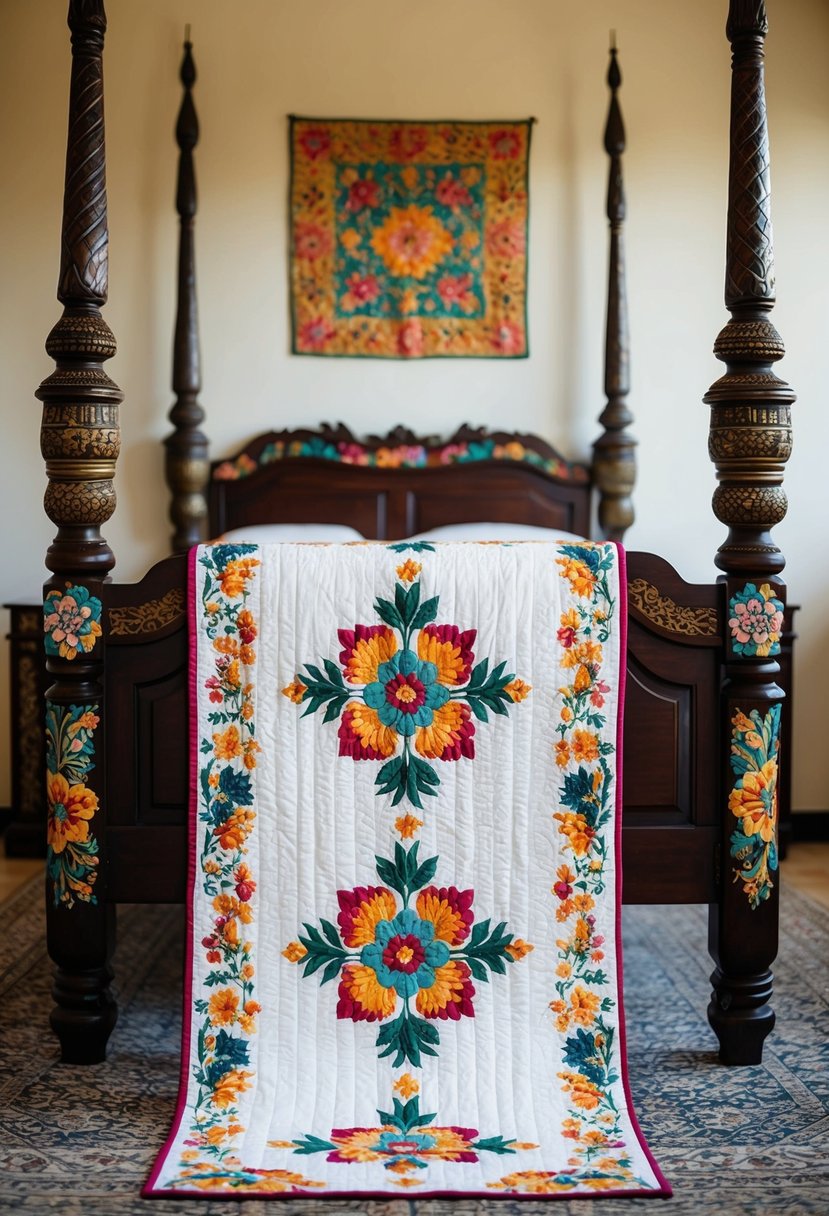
(404, 954)
(406, 692)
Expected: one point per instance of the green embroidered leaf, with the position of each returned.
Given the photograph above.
(331, 933)
(494, 1144)
(331, 971)
(479, 971)
(416, 546)
(390, 875)
(491, 951)
(424, 873)
(426, 613)
(236, 787)
(313, 1144)
(583, 1055)
(388, 613)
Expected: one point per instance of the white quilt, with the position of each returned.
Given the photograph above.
(404, 970)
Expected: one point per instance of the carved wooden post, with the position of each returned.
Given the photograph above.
(749, 442)
(80, 443)
(614, 462)
(186, 466)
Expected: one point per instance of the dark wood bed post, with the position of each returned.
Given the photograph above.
(614, 462)
(186, 464)
(80, 443)
(749, 442)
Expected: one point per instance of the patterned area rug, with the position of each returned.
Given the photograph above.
(741, 1142)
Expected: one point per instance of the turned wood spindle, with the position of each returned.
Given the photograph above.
(186, 462)
(614, 461)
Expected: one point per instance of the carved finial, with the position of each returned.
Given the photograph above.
(614, 464)
(186, 464)
(750, 428)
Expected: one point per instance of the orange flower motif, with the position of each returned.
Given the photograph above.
(235, 830)
(518, 949)
(408, 826)
(583, 679)
(294, 952)
(409, 571)
(70, 809)
(406, 1086)
(251, 747)
(562, 750)
(227, 744)
(585, 745)
(756, 802)
(234, 577)
(228, 1088)
(518, 689)
(224, 1005)
(585, 1005)
(295, 691)
(579, 576)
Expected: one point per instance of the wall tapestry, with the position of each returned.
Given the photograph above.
(409, 239)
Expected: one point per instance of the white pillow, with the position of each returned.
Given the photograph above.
(272, 534)
(501, 531)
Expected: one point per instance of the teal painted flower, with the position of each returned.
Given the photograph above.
(756, 621)
(404, 953)
(71, 622)
(406, 692)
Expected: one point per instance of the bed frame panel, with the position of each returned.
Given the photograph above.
(687, 680)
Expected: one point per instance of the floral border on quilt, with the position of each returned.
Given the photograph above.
(406, 939)
(409, 239)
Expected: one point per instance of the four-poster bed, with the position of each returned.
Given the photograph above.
(117, 704)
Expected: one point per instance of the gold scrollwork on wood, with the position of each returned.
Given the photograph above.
(665, 612)
(149, 617)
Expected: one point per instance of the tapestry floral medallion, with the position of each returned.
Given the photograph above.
(475, 931)
(409, 239)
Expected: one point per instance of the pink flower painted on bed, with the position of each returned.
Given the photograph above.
(71, 622)
(756, 621)
(406, 692)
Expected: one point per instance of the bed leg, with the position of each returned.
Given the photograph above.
(85, 1011)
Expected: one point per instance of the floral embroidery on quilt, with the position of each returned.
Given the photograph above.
(71, 847)
(223, 1068)
(756, 621)
(406, 966)
(406, 1141)
(406, 691)
(755, 744)
(408, 239)
(600, 1158)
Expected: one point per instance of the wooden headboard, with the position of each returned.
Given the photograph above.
(389, 487)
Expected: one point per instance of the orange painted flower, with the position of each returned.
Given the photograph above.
(363, 736)
(755, 803)
(235, 575)
(518, 949)
(585, 746)
(364, 648)
(228, 1087)
(450, 734)
(580, 577)
(450, 649)
(70, 809)
(562, 750)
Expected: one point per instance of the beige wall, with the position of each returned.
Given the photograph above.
(436, 58)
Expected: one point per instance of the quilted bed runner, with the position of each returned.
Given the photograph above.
(404, 963)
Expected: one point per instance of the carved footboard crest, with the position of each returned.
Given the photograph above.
(749, 442)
